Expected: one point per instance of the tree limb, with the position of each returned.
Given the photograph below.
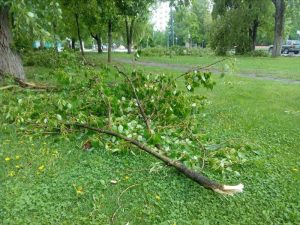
(25, 84)
(199, 178)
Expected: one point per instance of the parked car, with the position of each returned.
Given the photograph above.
(289, 46)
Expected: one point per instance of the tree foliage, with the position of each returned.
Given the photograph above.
(237, 23)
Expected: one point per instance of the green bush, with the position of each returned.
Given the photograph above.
(259, 53)
(50, 58)
(156, 51)
(176, 50)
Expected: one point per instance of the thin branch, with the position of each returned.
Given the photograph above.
(140, 106)
(109, 110)
(199, 68)
(119, 204)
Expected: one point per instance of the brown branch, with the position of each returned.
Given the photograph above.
(25, 84)
(140, 106)
(8, 87)
(199, 178)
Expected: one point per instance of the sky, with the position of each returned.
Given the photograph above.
(160, 16)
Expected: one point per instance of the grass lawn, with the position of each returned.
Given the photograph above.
(50, 180)
(282, 67)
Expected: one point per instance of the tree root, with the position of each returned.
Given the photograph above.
(199, 178)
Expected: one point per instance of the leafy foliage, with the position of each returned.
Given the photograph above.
(173, 112)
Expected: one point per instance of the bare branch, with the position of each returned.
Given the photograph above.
(199, 68)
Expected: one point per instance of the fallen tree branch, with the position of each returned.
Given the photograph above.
(8, 87)
(29, 85)
(199, 178)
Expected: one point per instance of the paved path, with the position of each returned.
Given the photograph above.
(183, 68)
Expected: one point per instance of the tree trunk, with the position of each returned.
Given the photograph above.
(98, 39)
(99, 44)
(109, 41)
(279, 26)
(10, 62)
(73, 40)
(79, 35)
(253, 34)
(129, 34)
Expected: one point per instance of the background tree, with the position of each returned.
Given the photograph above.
(192, 23)
(236, 23)
(27, 20)
(76, 9)
(132, 11)
(95, 23)
(280, 7)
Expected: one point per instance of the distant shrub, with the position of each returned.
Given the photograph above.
(175, 50)
(50, 58)
(259, 53)
(156, 51)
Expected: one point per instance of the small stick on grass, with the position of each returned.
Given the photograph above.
(119, 204)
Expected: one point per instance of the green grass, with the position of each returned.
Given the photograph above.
(282, 67)
(263, 115)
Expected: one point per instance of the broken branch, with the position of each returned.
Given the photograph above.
(199, 178)
(25, 84)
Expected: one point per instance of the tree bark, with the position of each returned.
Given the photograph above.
(98, 39)
(73, 40)
(129, 33)
(279, 26)
(79, 34)
(253, 34)
(109, 41)
(10, 62)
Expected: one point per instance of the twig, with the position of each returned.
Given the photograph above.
(140, 106)
(109, 111)
(198, 68)
(118, 202)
